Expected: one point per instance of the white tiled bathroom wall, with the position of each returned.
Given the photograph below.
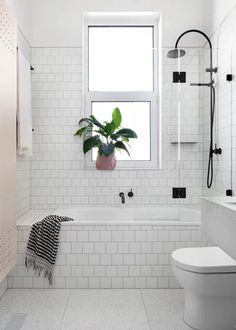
(57, 173)
(224, 50)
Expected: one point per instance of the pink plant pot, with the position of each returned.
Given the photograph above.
(106, 163)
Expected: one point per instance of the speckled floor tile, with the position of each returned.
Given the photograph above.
(165, 309)
(43, 309)
(35, 309)
(105, 310)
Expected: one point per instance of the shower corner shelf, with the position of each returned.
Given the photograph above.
(183, 142)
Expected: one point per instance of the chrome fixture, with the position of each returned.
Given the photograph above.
(176, 53)
(122, 196)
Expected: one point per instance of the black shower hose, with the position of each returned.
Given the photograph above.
(210, 159)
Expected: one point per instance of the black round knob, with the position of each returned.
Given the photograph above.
(130, 193)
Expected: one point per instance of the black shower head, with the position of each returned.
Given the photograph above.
(176, 53)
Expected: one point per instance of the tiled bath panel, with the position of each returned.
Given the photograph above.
(110, 256)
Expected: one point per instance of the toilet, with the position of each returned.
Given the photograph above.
(208, 276)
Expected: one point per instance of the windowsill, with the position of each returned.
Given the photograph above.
(92, 167)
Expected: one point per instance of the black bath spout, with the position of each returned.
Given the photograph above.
(122, 196)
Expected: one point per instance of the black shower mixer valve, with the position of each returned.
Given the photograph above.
(216, 151)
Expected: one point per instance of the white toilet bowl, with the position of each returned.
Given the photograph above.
(208, 276)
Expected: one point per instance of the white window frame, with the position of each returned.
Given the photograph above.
(152, 19)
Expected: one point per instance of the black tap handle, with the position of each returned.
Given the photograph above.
(130, 193)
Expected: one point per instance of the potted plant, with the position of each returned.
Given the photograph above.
(107, 137)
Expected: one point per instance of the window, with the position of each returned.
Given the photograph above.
(119, 56)
(121, 69)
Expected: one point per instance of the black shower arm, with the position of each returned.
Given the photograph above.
(203, 34)
(197, 31)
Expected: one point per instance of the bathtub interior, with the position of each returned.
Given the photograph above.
(130, 214)
(117, 214)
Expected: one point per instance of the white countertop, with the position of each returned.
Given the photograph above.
(218, 222)
(227, 201)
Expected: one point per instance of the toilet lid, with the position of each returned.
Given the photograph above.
(204, 260)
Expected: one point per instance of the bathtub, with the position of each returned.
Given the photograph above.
(95, 215)
(112, 247)
(148, 215)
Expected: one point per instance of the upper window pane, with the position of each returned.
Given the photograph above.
(120, 58)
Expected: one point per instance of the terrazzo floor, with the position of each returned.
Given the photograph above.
(31, 309)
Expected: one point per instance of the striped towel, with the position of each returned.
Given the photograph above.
(43, 245)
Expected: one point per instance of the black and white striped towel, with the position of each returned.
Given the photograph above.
(43, 245)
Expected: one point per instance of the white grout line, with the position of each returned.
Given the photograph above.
(65, 309)
(149, 322)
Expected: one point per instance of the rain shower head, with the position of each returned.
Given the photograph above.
(175, 53)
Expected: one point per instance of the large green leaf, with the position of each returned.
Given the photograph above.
(83, 130)
(117, 136)
(121, 145)
(80, 131)
(91, 120)
(116, 118)
(109, 128)
(100, 131)
(127, 133)
(91, 142)
(114, 137)
(96, 122)
(85, 120)
(106, 149)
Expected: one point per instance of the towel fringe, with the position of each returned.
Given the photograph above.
(38, 269)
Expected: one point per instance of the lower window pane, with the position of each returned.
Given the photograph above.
(136, 116)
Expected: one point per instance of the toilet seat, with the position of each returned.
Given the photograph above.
(205, 260)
